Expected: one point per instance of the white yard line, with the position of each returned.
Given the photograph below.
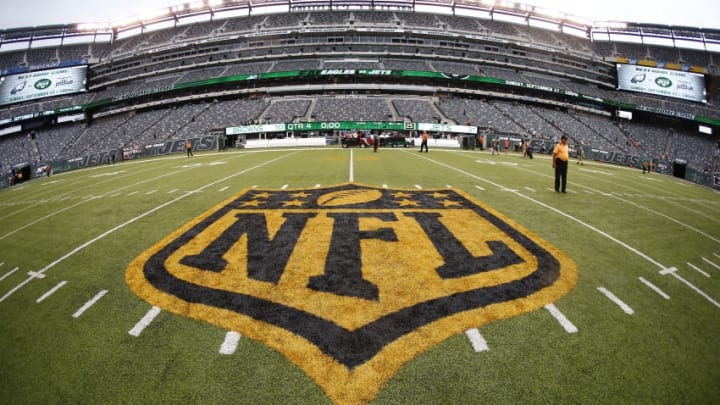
(625, 307)
(557, 211)
(145, 321)
(230, 344)
(669, 218)
(561, 318)
(52, 214)
(51, 291)
(224, 188)
(663, 269)
(477, 340)
(132, 220)
(654, 288)
(90, 303)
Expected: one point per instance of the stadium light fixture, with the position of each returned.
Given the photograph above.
(178, 8)
(126, 22)
(153, 14)
(549, 13)
(197, 5)
(93, 26)
(610, 24)
(215, 3)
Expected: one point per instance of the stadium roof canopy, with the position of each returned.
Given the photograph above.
(498, 10)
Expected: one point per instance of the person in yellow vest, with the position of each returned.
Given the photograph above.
(560, 157)
(188, 148)
(423, 143)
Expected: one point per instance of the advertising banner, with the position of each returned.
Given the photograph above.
(44, 83)
(663, 82)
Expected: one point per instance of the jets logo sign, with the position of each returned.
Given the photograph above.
(351, 282)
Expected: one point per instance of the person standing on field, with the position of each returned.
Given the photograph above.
(560, 157)
(188, 148)
(423, 143)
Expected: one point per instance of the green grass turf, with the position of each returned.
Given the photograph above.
(666, 352)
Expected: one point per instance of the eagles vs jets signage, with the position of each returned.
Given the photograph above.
(26, 86)
(351, 282)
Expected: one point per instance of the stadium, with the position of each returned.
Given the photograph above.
(193, 209)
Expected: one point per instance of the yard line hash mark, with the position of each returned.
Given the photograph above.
(6, 275)
(711, 263)
(90, 303)
(145, 321)
(561, 318)
(654, 288)
(477, 340)
(230, 344)
(612, 297)
(698, 269)
(224, 188)
(51, 291)
(673, 272)
(134, 219)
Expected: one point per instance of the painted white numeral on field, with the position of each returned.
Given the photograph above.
(477, 340)
(144, 322)
(561, 318)
(90, 303)
(51, 291)
(230, 344)
(625, 307)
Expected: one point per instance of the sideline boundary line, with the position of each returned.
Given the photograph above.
(136, 218)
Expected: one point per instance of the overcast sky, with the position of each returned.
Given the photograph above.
(694, 13)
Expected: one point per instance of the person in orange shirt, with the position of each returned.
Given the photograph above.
(560, 157)
(424, 142)
(188, 148)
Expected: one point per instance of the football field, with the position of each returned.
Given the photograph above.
(330, 275)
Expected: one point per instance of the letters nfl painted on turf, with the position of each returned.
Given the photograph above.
(350, 282)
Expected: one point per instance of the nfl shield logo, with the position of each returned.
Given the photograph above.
(351, 282)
